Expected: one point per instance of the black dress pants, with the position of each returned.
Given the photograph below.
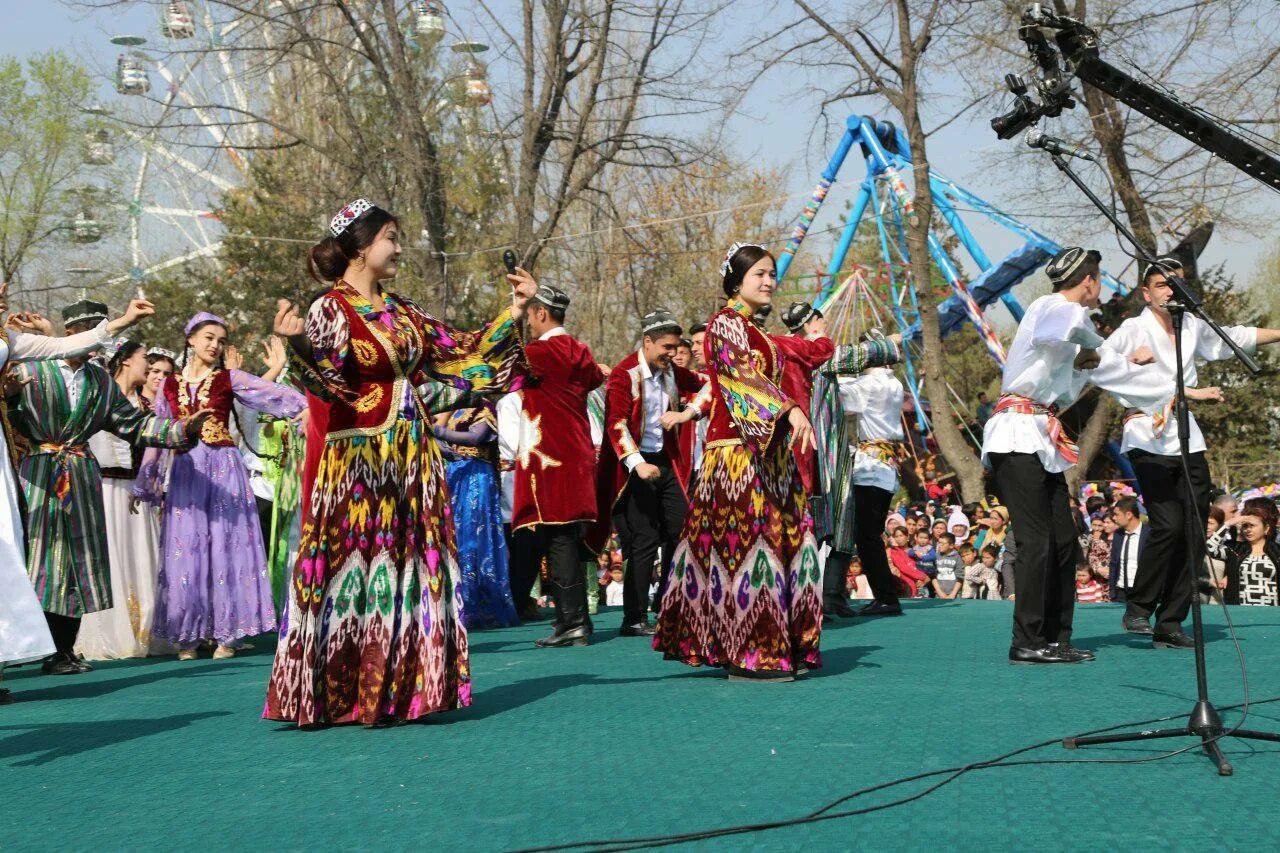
(870, 507)
(648, 515)
(64, 630)
(1048, 548)
(1162, 585)
(524, 549)
(567, 577)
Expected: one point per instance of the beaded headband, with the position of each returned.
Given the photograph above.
(733, 250)
(349, 214)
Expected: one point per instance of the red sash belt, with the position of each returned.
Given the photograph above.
(1026, 406)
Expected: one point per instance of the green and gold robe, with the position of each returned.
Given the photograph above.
(62, 484)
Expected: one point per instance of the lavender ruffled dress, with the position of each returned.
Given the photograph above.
(213, 581)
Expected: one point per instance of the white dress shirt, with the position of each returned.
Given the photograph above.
(875, 396)
(1040, 366)
(1128, 557)
(507, 414)
(656, 389)
(73, 381)
(1198, 342)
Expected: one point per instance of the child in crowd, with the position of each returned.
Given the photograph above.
(950, 568)
(903, 564)
(980, 579)
(1088, 590)
(856, 581)
(924, 552)
(939, 528)
(613, 586)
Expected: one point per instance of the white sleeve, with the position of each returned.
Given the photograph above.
(1210, 347)
(1124, 339)
(1138, 387)
(508, 417)
(1066, 323)
(27, 347)
(854, 397)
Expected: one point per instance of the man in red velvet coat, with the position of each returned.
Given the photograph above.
(803, 351)
(642, 477)
(555, 466)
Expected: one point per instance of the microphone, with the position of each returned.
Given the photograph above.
(1053, 145)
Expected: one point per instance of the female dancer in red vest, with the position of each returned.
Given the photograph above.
(373, 628)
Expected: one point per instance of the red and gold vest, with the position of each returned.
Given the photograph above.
(212, 392)
(376, 373)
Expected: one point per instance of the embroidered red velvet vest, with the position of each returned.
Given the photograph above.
(213, 392)
(373, 369)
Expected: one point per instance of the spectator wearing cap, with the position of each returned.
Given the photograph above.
(642, 477)
(557, 461)
(1055, 352)
(1163, 586)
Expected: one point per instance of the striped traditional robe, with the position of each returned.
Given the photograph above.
(66, 540)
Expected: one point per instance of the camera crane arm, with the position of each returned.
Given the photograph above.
(1078, 46)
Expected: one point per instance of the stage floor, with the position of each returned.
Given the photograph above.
(611, 741)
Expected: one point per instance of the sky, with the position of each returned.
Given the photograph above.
(776, 131)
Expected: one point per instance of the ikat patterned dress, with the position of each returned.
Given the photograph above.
(374, 626)
(746, 586)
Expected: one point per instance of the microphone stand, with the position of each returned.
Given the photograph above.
(1204, 721)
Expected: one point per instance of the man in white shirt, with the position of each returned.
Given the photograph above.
(876, 397)
(1054, 353)
(1163, 585)
(641, 477)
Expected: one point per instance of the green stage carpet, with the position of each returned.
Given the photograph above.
(611, 741)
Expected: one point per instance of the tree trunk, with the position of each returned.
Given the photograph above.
(951, 442)
(1092, 439)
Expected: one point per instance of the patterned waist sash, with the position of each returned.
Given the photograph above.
(1026, 406)
(62, 454)
(884, 450)
(1159, 421)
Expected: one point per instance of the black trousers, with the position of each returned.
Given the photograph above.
(649, 515)
(1163, 586)
(65, 630)
(1048, 548)
(870, 507)
(525, 548)
(566, 555)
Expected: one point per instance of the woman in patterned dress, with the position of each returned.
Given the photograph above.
(471, 449)
(373, 630)
(745, 590)
(213, 582)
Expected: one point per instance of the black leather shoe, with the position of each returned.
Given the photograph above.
(568, 637)
(60, 665)
(1175, 640)
(879, 608)
(6, 697)
(81, 664)
(1044, 654)
(838, 608)
(1072, 652)
(639, 629)
(1136, 625)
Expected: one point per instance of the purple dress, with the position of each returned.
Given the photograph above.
(213, 581)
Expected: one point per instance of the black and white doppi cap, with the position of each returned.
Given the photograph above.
(797, 315)
(1068, 261)
(552, 297)
(660, 320)
(84, 311)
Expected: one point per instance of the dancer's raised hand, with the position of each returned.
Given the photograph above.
(287, 323)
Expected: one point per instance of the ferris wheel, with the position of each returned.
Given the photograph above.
(177, 138)
(174, 140)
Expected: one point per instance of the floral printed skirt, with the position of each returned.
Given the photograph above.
(746, 587)
(373, 629)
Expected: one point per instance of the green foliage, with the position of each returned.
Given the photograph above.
(41, 135)
(1243, 432)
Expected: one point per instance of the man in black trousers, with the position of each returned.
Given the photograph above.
(642, 476)
(1163, 585)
